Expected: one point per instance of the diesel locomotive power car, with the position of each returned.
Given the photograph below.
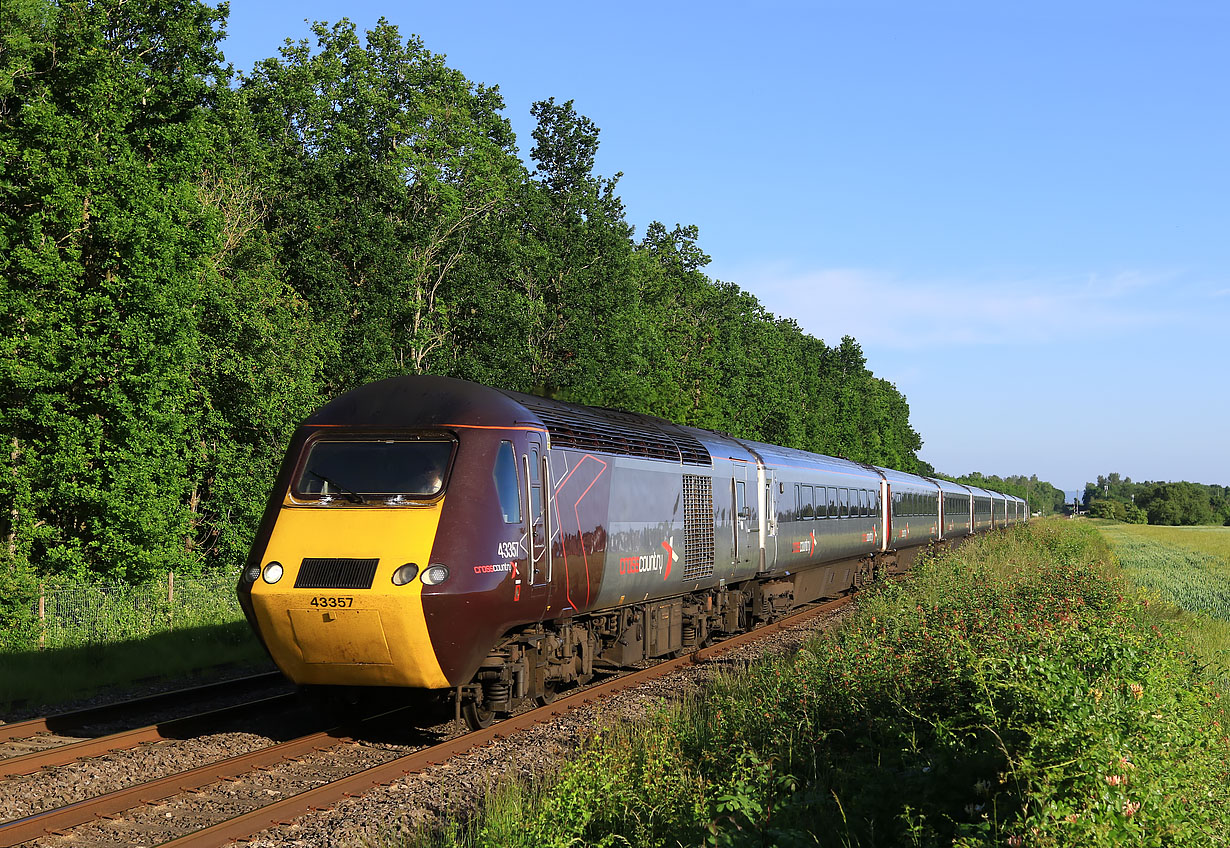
(436, 534)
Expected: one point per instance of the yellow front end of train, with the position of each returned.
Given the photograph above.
(336, 594)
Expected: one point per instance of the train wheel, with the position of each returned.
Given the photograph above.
(548, 695)
(477, 717)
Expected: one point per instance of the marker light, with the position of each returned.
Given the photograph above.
(250, 575)
(273, 572)
(435, 575)
(404, 574)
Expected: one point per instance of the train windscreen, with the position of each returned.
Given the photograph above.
(356, 470)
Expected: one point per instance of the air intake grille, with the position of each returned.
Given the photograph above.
(321, 573)
(612, 431)
(697, 526)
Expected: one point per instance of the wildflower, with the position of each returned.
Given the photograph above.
(1137, 690)
(1097, 696)
(1016, 841)
(1071, 818)
(1115, 779)
(1130, 808)
(982, 787)
(1123, 761)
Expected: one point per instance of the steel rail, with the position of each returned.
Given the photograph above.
(326, 795)
(73, 751)
(46, 822)
(106, 712)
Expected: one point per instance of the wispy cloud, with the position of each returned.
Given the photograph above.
(892, 310)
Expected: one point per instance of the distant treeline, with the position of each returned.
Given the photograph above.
(192, 260)
(1041, 496)
(1180, 503)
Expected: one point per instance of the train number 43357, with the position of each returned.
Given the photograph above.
(332, 603)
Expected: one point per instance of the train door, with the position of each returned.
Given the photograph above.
(745, 520)
(767, 484)
(538, 518)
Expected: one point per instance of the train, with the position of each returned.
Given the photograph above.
(431, 534)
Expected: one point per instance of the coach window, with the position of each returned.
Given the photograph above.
(505, 474)
(805, 501)
(864, 502)
(843, 503)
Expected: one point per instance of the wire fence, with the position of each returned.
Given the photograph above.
(104, 613)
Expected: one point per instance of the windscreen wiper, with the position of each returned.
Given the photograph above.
(351, 494)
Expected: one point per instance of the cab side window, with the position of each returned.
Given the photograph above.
(505, 475)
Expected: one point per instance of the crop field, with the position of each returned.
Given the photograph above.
(1214, 541)
(1189, 568)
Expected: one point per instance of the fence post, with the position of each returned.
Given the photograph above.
(42, 617)
(171, 598)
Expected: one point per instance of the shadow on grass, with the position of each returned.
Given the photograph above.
(37, 681)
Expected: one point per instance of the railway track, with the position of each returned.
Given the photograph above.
(175, 729)
(370, 766)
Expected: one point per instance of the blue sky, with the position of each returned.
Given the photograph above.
(1020, 213)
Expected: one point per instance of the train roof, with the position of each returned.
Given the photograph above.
(778, 456)
(949, 487)
(421, 401)
(429, 401)
(905, 477)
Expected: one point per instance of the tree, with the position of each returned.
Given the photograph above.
(100, 252)
(1178, 504)
(387, 164)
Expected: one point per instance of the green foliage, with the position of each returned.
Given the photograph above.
(1117, 511)
(100, 261)
(386, 165)
(1008, 694)
(1163, 503)
(95, 635)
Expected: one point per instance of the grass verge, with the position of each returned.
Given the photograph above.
(40, 680)
(1012, 693)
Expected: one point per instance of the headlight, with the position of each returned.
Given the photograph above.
(252, 572)
(273, 572)
(405, 573)
(435, 575)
